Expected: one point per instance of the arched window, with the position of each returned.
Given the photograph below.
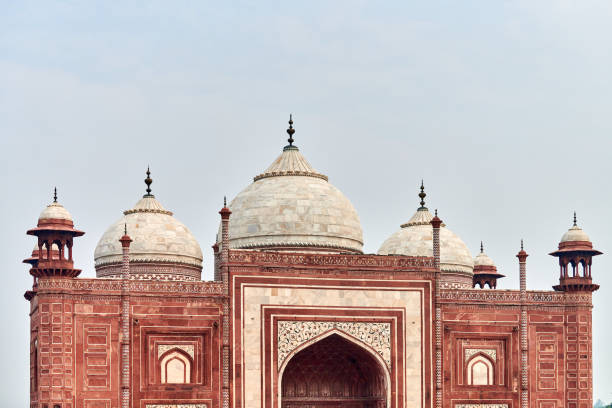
(480, 371)
(175, 367)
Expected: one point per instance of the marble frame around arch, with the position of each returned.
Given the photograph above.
(260, 300)
(347, 337)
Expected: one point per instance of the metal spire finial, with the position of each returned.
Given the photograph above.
(481, 248)
(291, 130)
(125, 229)
(521, 244)
(575, 222)
(148, 182)
(422, 195)
(436, 212)
(224, 201)
(55, 194)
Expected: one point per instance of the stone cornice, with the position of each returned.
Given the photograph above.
(325, 260)
(108, 286)
(513, 297)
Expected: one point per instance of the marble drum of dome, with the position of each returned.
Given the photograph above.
(162, 247)
(292, 207)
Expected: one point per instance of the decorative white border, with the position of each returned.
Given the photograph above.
(176, 406)
(481, 405)
(469, 352)
(187, 348)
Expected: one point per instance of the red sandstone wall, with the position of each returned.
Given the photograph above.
(76, 334)
(468, 328)
(559, 356)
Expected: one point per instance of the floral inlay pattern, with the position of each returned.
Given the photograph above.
(292, 334)
(176, 406)
(187, 348)
(489, 352)
(481, 405)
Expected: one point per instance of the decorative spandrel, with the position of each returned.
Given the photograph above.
(176, 406)
(187, 348)
(489, 352)
(292, 334)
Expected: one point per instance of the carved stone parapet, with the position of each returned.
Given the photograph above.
(341, 260)
(137, 286)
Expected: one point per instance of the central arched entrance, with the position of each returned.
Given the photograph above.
(333, 372)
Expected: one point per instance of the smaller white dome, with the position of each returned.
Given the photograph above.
(55, 211)
(483, 259)
(415, 238)
(54, 247)
(156, 237)
(575, 234)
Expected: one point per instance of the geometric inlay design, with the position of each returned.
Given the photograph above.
(481, 405)
(489, 352)
(187, 348)
(292, 334)
(176, 406)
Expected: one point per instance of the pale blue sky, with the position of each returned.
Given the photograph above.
(502, 107)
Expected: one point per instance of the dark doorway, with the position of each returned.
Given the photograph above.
(333, 372)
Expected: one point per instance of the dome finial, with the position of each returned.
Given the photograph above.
(290, 132)
(422, 195)
(575, 222)
(148, 182)
(55, 194)
(481, 248)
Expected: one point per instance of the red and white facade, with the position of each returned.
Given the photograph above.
(305, 325)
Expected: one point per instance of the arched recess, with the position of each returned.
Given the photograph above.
(480, 370)
(175, 367)
(334, 370)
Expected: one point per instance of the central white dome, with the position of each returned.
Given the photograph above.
(292, 207)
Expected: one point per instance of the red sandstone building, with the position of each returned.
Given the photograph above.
(298, 316)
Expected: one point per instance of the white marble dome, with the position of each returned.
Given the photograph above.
(415, 238)
(158, 240)
(55, 211)
(292, 207)
(482, 259)
(575, 233)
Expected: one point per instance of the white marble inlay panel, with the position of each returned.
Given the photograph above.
(187, 348)
(253, 298)
(292, 334)
(176, 406)
(489, 352)
(481, 405)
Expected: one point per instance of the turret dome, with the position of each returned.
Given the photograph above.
(575, 234)
(55, 211)
(415, 238)
(290, 206)
(162, 248)
(482, 259)
(485, 271)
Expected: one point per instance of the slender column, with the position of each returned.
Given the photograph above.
(224, 266)
(522, 256)
(217, 274)
(125, 321)
(436, 222)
